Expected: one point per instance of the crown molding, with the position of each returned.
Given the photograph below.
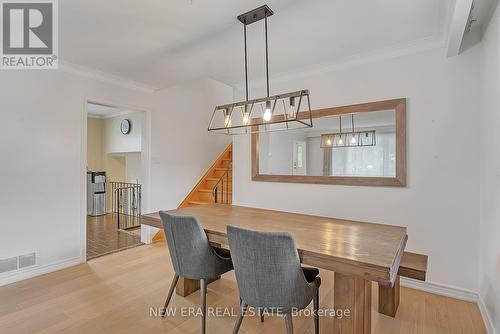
(104, 77)
(414, 47)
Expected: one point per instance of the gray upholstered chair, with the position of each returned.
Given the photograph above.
(192, 256)
(270, 276)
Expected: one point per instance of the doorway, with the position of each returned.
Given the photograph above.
(299, 157)
(115, 174)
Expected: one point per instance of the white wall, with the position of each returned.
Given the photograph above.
(489, 273)
(277, 157)
(42, 189)
(43, 192)
(41, 201)
(182, 148)
(440, 205)
(115, 141)
(133, 167)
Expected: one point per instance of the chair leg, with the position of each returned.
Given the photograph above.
(203, 304)
(170, 293)
(316, 311)
(261, 314)
(289, 323)
(241, 314)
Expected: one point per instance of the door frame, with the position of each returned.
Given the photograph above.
(145, 162)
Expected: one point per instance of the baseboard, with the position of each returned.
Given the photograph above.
(440, 289)
(453, 292)
(20, 275)
(488, 323)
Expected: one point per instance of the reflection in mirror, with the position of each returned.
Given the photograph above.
(359, 144)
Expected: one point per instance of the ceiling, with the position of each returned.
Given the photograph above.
(161, 43)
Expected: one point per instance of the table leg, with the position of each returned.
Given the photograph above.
(388, 298)
(353, 294)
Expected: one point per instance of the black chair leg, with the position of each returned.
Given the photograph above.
(289, 323)
(241, 314)
(261, 314)
(316, 315)
(203, 304)
(170, 293)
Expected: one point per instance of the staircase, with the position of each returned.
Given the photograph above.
(215, 186)
(219, 177)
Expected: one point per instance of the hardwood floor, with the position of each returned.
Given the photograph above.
(114, 293)
(103, 237)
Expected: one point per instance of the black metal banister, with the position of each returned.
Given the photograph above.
(222, 187)
(126, 203)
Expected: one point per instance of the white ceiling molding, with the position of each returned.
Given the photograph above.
(427, 44)
(104, 77)
(458, 24)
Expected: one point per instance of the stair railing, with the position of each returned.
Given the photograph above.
(126, 204)
(221, 188)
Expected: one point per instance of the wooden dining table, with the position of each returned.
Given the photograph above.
(357, 252)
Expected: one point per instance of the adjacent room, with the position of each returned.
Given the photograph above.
(292, 166)
(114, 169)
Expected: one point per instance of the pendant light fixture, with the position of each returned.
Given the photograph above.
(271, 113)
(348, 139)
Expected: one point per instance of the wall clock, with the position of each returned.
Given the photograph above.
(126, 126)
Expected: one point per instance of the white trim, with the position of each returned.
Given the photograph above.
(113, 114)
(104, 77)
(453, 292)
(488, 323)
(30, 272)
(409, 48)
(83, 184)
(440, 289)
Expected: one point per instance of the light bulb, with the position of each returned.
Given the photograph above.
(246, 118)
(353, 140)
(292, 110)
(328, 141)
(340, 142)
(227, 120)
(267, 113)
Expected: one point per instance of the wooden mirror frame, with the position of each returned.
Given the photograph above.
(399, 105)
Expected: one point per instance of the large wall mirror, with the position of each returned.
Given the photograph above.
(362, 144)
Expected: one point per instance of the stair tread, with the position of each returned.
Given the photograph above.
(200, 202)
(207, 190)
(215, 179)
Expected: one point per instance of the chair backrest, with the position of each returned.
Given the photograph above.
(267, 267)
(190, 251)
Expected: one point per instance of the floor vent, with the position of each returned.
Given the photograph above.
(27, 260)
(8, 264)
(17, 262)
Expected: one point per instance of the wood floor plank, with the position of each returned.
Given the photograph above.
(114, 294)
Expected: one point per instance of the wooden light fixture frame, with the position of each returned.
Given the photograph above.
(398, 105)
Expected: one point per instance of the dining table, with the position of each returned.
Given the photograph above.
(358, 253)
